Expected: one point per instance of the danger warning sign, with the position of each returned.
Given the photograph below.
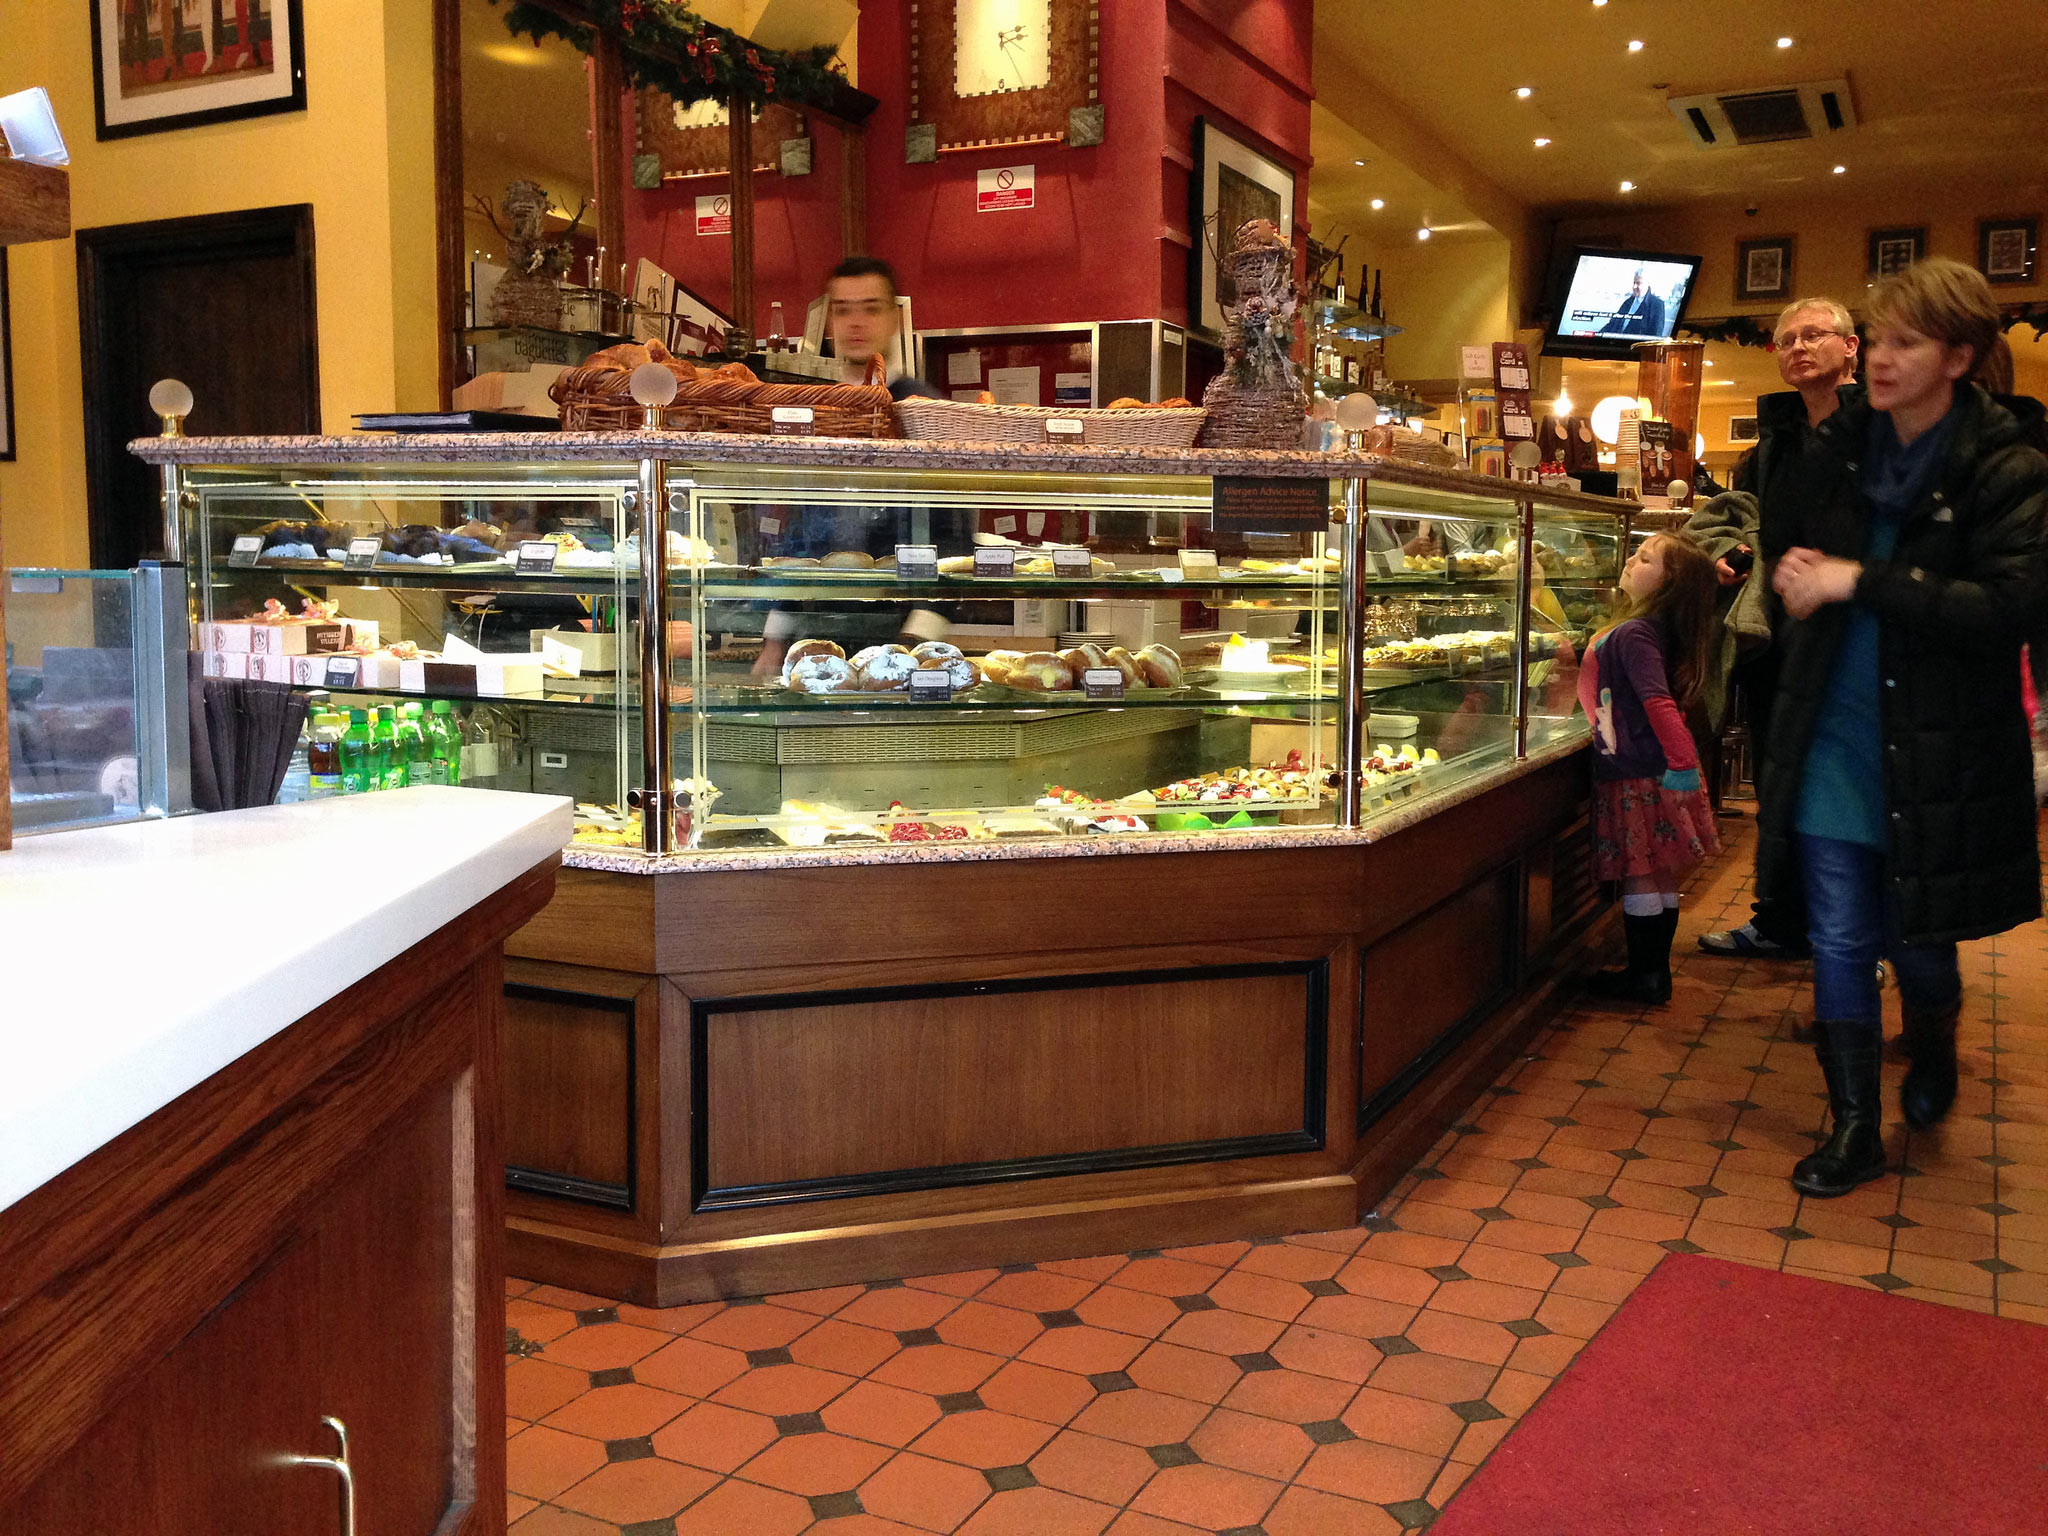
(714, 215)
(1005, 188)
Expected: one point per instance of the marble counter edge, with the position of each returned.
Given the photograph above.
(1381, 827)
(123, 1064)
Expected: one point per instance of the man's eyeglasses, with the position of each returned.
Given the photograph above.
(1811, 337)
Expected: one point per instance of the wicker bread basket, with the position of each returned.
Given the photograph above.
(598, 397)
(961, 421)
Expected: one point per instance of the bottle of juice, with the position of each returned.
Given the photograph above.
(413, 748)
(390, 764)
(445, 737)
(323, 758)
(358, 755)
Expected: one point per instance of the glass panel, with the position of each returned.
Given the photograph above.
(1216, 695)
(536, 663)
(1571, 594)
(71, 710)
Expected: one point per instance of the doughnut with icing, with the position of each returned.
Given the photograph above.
(1126, 663)
(821, 673)
(1041, 672)
(962, 673)
(883, 669)
(934, 650)
(1161, 666)
(806, 648)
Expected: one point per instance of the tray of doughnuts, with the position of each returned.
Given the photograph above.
(1053, 673)
(880, 673)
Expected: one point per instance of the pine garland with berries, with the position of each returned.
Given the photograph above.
(668, 47)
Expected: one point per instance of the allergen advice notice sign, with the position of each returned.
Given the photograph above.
(1005, 189)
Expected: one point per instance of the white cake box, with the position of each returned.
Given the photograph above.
(224, 664)
(599, 650)
(488, 676)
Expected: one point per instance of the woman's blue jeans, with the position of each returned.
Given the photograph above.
(1845, 922)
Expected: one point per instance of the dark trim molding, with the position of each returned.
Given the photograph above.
(569, 1186)
(1310, 1137)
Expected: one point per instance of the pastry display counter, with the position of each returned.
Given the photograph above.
(994, 853)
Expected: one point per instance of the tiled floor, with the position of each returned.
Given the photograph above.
(1328, 1382)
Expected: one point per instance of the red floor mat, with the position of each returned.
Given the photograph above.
(1724, 1400)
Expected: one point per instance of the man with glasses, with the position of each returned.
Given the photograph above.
(1816, 348)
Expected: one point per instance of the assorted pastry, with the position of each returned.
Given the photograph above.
(822, 666)
(1156, 666)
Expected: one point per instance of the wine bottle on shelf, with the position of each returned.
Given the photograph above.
(1377, 312)
(1340, 282)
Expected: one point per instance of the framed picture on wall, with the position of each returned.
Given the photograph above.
(1894, 250)
(163, 64)
(1743, 429)
(6, 368)
(1233, 184)
(2005, 249)
(1763, 269)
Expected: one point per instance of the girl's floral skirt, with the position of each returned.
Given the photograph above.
(1642, 828)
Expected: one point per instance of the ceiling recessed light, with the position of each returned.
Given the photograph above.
(1524, 92)
(1422, 233)
(1635, 45)
(1628, 186)
(1358, 162)
(1710, 362)
(1784, 42)
(1541, 142)
(1840, 169)
(1598, 3)
(1378, 203)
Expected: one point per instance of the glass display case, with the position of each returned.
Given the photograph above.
(842, 656)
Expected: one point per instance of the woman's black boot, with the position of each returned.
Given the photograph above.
(1646, 978)
(1853, 1154)
(1930, 1086)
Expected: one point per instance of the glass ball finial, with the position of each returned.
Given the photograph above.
(652, 384)
(170, 397)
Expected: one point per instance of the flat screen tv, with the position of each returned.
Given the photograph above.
(1610, 300)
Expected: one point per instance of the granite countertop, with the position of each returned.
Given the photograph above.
(138, 960)
(624, 448)
(1417, 808)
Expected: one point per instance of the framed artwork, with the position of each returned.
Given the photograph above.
(989, 72)
(163, 64)
(6, 368)
(1894, 250)
(1743, 429)
(1763, 269)
(1233, 183)
(2005, 249)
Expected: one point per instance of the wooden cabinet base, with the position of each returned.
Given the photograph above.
(314, 1232)
(781, 1079)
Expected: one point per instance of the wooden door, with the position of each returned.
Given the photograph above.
(224, 302)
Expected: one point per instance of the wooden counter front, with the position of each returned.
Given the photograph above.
(313, 1231)
(743, 1082)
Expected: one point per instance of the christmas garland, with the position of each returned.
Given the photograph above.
(670, 48)
(1743, 330)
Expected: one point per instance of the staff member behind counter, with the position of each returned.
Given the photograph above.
(864, 321)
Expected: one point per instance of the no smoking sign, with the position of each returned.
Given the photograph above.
(1005, 188)
(714, 215)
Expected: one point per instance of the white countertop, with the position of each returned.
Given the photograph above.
(137, 961)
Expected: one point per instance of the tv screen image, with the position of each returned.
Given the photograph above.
(1615, 298)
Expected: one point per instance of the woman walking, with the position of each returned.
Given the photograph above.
(1899, 786)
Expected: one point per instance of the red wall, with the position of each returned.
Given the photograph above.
(797, 236)
(1106, 239)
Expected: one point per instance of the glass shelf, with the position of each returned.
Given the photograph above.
(1348, 322)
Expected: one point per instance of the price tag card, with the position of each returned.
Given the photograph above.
(1065, 429)
(361, 554)
(1102, 683)
(995, 562)
(1071, 562)
(536, 558)
(931, 686)
(791, 420)
(1006, 524)
(343, 671)
(771, 525)
(917, 560)
(245, 551)
(1198, 562)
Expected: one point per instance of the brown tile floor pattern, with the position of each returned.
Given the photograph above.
(1326, 1382)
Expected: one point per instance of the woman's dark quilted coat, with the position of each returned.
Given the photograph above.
(1967, 584)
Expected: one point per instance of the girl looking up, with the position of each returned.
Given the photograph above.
(1651, 820)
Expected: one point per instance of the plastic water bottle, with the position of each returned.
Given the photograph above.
(323, 757)
(413, 746)
(445, 737)
(298, 776)
(358, 755)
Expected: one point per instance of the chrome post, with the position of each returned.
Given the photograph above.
(340, 1467)
(1526, 513)
(160, 621)
(656, 794)
(1351, 708)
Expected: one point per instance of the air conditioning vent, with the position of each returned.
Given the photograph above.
(1766, 117)
(1730, 119)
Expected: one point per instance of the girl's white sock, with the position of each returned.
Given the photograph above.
(1670, 900)
(1648, 904)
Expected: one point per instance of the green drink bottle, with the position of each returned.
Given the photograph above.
(414, 749)
(445, 737)
(390, 765)
(358, 755)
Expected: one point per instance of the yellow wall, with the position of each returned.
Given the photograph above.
(361, 154)
(1445, 294)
